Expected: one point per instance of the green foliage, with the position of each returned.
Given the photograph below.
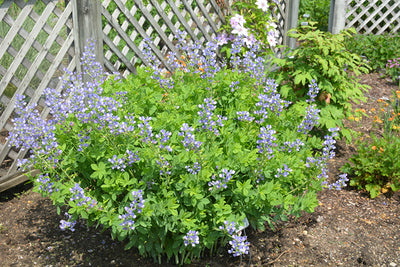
(376, 167)
(322, 56)
(318, 11)
(377, 49)
(261, 188)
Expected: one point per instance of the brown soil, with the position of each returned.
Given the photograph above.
(347, 228)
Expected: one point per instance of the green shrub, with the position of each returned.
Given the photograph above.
(377, 49)
(176, 165)
(322, 56)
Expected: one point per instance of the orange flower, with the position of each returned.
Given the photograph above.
(373, 147)
(182, 63)
(381, 149)
(378, 120)
(373, 109)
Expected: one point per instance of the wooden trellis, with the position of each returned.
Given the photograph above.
(35, 47)
(40, 38)
(366, 16)
(128, 26)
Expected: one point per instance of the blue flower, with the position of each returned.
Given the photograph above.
(191, 238)
(67, 224)
(239, 245)
(134, 208)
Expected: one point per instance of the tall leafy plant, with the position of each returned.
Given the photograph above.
(322, 57)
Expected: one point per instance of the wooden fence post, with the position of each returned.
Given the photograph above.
(337, 16)
(86, 16)
(291, 21)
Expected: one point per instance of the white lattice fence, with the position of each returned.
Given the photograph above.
(374, 17)
(129, 24)
(366, 16)
(35, 47)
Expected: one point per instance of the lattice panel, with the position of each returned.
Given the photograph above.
(373, 17)
(129, 23)
(35, 47)
(281, 17)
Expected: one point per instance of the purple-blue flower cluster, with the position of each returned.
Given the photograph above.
(164, 166)
(189, 141)
(288, 146)
(67, 224)
(78, 196)
(244, 116)
(230, 227)
(283, 171)
(339, 184)
(163, 138)
(31, 131)
(155, 65)
(195, 169)
(225, 176)
(266, 141)
(146, 131)
(270, 101)
(239, 245)
(310, 120)
(120, 163)
(313, 91)
(134, 208)
(191, 238)
(45, 184)
(206, 116)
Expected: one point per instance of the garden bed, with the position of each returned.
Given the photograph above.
(347, 228)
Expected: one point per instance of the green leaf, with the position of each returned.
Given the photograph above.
(373, 189)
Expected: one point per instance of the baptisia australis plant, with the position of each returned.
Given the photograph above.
(175, 163)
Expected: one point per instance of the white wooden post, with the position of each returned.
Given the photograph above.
(291, 21)
(337, 16)
(87, 25)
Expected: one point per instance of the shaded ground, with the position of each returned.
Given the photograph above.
(347, 228)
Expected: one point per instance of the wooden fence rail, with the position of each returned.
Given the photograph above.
(41, 38)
